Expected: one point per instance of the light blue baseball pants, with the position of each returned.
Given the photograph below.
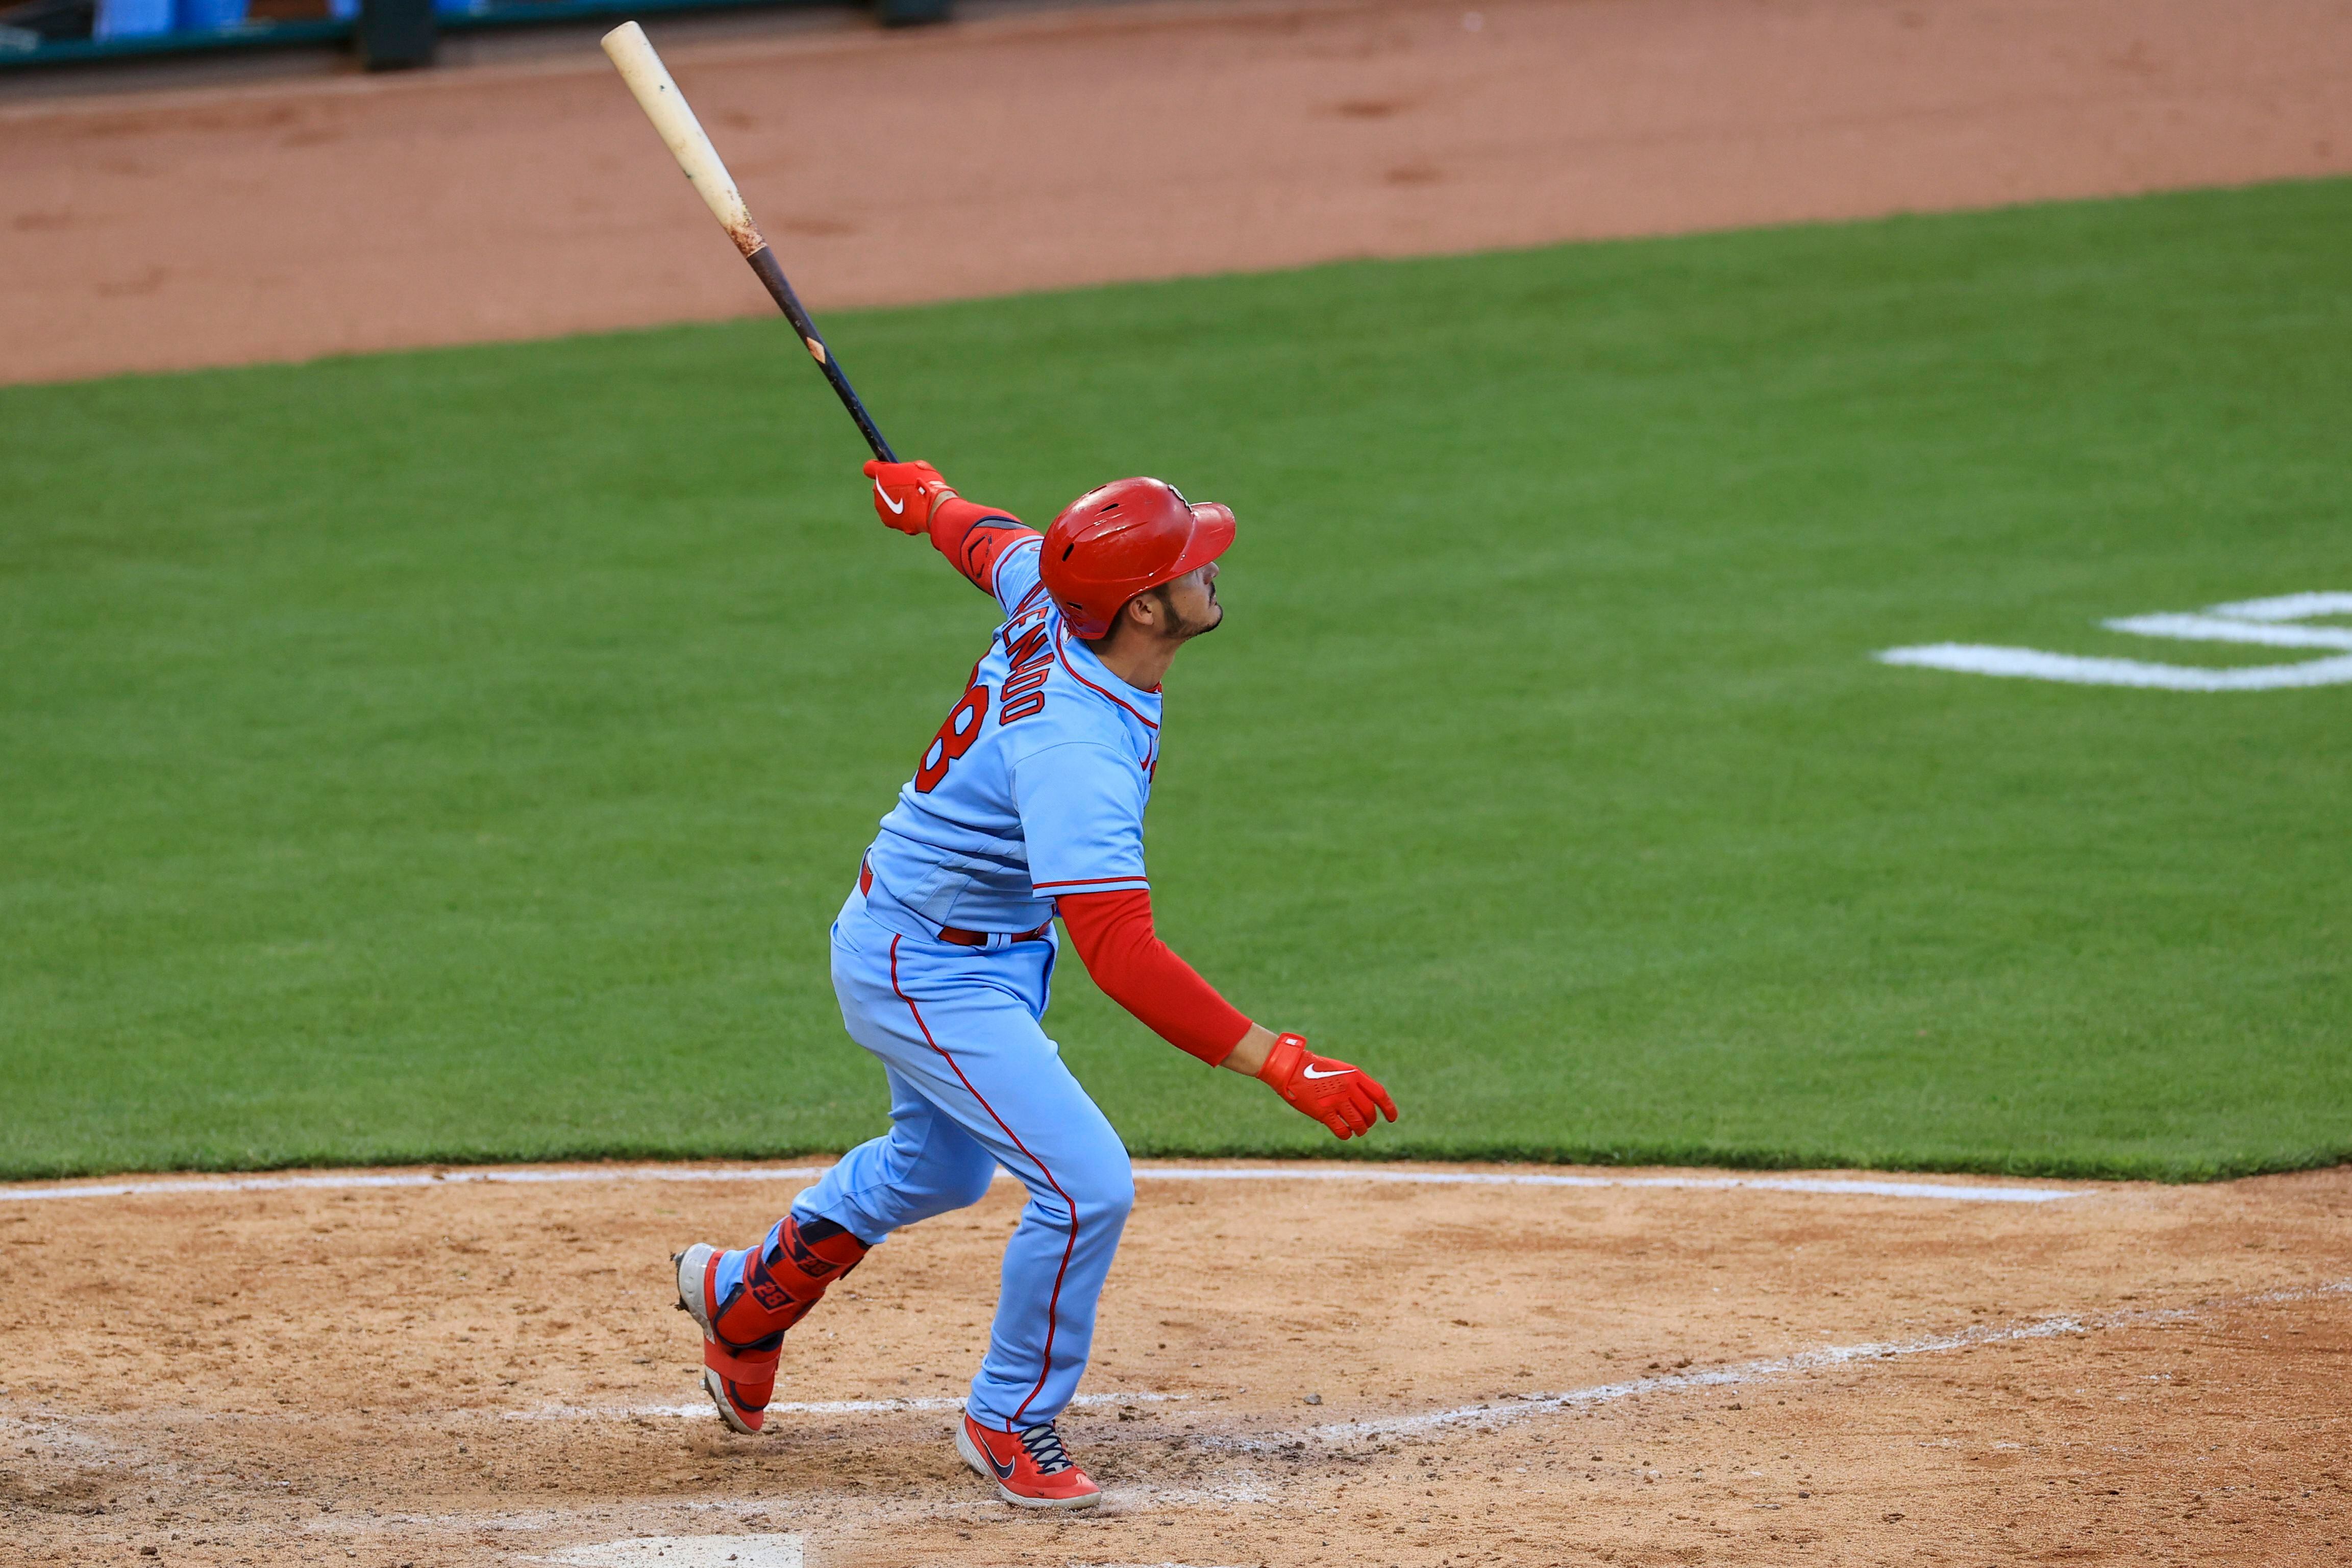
(975, 1084)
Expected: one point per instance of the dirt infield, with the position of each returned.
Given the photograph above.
(1026, 150)
(1291, 1371)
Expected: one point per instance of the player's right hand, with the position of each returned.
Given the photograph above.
(1344, 1098)
(905, 494)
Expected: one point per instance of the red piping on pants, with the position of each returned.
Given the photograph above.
(1054, 1304)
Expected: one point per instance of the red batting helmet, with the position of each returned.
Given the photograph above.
(1120, 538)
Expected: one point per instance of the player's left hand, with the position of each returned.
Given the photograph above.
(1344, 1098)
(905, 494)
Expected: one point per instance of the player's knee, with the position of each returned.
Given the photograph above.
(1106, 1197)
(969, 1183)
(1098, 1201)
(950, 1174)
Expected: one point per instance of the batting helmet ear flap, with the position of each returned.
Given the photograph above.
(1120, 538)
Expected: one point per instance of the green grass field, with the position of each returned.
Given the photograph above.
(459, 755)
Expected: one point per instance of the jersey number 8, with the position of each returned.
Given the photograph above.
(955, 738)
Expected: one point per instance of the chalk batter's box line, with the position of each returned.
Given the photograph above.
(366, 1180)
(918, 1404)
(1487, 1414)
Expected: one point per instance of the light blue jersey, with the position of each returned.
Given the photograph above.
(1035, 786)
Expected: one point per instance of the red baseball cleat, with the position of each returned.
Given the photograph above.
(1031, 1469)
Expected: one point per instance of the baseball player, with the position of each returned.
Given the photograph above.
(1028, 802)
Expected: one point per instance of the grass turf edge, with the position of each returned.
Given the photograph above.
(1624, 1156)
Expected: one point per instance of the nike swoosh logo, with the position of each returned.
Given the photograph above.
(1310, 1072)
(1003, 1471)
(898, 508)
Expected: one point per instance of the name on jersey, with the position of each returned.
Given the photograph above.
(1032, 657)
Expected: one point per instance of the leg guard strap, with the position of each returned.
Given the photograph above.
(752, 1367)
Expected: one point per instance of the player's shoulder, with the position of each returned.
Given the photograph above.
(1013, 576)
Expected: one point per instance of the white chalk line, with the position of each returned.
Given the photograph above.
(766, 1551)
(365, 1180)
(358, 1522)
(2262, 622)
(2075, 669)
(1767, 1371)
(697, 1411)
(1520, 1407)
(1841, 1186)
(1718, 1377)
(809, 1407)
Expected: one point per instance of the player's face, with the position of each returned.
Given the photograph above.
(1191, 601)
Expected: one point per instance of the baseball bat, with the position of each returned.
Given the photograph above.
(657, 94)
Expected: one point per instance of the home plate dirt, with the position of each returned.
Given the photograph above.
(1309, 1371)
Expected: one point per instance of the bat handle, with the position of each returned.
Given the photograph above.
(764, 262)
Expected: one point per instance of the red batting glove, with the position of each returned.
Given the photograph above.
(1343, 1098)
(905, 494)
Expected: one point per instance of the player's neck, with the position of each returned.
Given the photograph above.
(1139, 660)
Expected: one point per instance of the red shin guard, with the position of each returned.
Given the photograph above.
(782, 1278)
(772, 1289)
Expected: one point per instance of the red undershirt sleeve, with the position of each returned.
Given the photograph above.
(1113, 935)
(972, 538)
